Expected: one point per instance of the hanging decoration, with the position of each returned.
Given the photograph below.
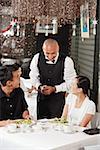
(68, 10)
(94, 26)
(93, 23)
(84, 13)
(18, 30)
(49, 25)
(9, 31)
(74, 30)
(55, 25)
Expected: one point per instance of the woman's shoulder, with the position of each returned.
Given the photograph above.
(90, 102)
(91, 107)
(71, 97)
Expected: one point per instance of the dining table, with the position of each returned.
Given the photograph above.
(49, 138)
(42, 136)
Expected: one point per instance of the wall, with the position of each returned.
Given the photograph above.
(83, 54)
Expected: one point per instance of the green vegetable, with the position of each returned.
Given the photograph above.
(59, 120)
(24, 121)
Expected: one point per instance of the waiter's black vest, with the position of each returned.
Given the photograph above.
(51, 74)
(50, 106)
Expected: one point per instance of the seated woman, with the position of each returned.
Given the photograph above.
(79, 109)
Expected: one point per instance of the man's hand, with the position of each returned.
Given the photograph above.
(26, 115)
(47, 90)
(5, 122)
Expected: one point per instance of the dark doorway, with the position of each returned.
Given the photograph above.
(63, 36)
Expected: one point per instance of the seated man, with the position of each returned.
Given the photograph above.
(12, 101)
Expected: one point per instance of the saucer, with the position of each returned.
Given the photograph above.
(13, 131)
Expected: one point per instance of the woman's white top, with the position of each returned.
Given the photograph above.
(75, 115)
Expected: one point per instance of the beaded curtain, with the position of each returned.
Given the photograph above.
(66, 9)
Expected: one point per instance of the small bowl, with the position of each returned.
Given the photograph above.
(11, 128)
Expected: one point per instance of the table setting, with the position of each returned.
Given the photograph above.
(56, 124)
(20, 125)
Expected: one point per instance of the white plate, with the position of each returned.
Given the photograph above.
(43, 120)
(79, 128)
(58, 128)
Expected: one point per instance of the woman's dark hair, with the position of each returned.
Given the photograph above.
(6, 73)
(84, 83)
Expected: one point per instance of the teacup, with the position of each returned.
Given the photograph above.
(12, 127)
(26, 128)
(68, 129)
(58, 128)
(37, 127)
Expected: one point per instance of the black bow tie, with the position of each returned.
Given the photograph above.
(49, 60)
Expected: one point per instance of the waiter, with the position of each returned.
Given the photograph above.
(51, 74)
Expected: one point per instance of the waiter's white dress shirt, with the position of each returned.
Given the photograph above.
(69, 73)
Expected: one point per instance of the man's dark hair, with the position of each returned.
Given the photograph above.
(84, 83)
(6, 73)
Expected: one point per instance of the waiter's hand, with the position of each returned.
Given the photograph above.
(47, 90)
(30, 90)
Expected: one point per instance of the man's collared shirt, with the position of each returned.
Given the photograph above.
(12, 107)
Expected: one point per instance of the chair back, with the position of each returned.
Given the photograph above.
(96, 120)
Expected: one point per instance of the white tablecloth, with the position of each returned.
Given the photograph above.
(49, 140)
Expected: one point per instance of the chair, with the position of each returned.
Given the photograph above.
(96, 121)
